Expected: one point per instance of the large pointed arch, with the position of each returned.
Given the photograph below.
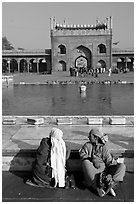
(86, 52)
(81, 61)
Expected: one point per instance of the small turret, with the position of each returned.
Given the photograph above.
(97, 26)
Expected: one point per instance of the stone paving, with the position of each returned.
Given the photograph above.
(20, 141)
(28, 137)
(14, 189)
(17, 139)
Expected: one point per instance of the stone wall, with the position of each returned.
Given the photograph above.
(83, 39)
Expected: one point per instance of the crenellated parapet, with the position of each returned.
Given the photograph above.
(73, 45)
(99, 28)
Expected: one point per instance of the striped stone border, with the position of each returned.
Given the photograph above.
(69, 120)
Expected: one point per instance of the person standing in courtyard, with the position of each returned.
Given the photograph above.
(109, 71)
(101, 171)
(49, 166)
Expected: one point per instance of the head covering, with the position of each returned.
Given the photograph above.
(56, 133)
(96, 132)
(58, 156)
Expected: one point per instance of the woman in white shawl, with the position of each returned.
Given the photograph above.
(49, 166)
(58, 157)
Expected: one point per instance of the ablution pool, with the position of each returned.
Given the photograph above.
(66, 99)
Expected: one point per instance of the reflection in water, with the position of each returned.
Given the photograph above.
(105, 97)
(67, 100)
(83, 94)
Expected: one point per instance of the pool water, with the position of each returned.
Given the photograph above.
(99, 99)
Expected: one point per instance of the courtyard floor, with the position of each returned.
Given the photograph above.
(64, 76)
(26, 138)
(23, 137)
(15, 190)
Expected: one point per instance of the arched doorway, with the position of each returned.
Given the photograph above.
(121, 63)
(61, 49)
(42, 66)
(4, 66)
(81, 61)
(84, 52)
(13, 66)
(81, 65)
(33, 65)
(130, 63)
(62, 65)
(101, 66)
(23, 65)
(101, 48)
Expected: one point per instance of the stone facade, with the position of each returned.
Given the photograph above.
(26, 61)
(81, 45)
(76, 46)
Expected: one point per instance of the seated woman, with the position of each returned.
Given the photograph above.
(49, 166)
(101, 171)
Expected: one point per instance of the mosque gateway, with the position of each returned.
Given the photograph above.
(72, 46)
(81, 45)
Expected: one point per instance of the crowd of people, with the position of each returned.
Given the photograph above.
(101, 172)
(84, 71)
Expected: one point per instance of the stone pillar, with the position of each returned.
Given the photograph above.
(28, 66)
(37, 61)
(48, 64)
(110, 28)
(111, 49)
(126, 62)
(18, 65)
(8, 65)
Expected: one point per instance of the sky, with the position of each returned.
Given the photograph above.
(27, 24)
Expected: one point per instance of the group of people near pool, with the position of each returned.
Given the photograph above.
(101, 171)
(84, 71)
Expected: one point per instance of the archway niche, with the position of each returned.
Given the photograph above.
(121, 63)
(61, 49)
(62, 65)
(42, 66)
(4, 66)
(33, 65)
(130, 62)
(101, 48)
(101, 66)
(23, 65)
(13, 65)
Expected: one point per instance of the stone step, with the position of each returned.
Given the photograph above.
(9, 121)
(20, 141)
(64, 121)
(35, 121)
(95, 120)
(22, 160)
(117, 120)
(68, 120)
